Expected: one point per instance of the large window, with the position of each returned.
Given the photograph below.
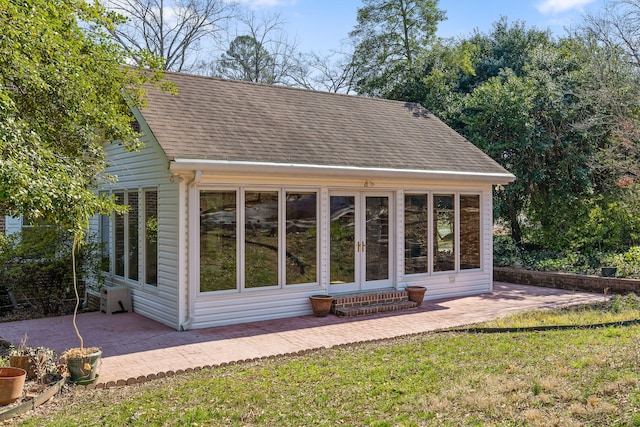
(119, 240)
(261, 239)
(443, 232)
(416, 234)
(104, 223)
(132, 229)
(151, 237)
(218, 230)
(135, 246)
(273, 243)
(301, 231)
(469, 231)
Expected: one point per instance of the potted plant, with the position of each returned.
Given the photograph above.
(416, 293)
(321, 304)
(22, 357)
(608, 271)
(81, 362)
(38, 362)
(11, 384)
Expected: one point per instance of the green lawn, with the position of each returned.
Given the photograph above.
(564, 378)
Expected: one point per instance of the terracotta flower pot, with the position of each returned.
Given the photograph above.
(321, 304)
(416, 293)
(23, 362)
(11, 384)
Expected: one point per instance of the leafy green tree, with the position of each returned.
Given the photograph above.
(61, 99)
(512, 93)
(389, 39)
(246, 59)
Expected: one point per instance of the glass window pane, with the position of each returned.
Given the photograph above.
(415, 234)
(261, 239)
(302, 232)
(119, 242)
(443, 233)
(469, 231)
(377, 238)
(151, 237)
(132, 228)
(342, 230)
(217, 240)
(105, 240)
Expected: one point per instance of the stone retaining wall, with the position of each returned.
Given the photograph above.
(569, 281)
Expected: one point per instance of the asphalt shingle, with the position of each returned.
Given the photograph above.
(218, 119)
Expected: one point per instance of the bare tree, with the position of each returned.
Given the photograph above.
(333, 72)
(617, 25)
(261, 52)
(175, 30)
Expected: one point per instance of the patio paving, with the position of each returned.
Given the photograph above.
(134, 346)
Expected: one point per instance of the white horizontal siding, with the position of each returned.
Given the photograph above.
(148, 168)
(215, 309)
(252, 306)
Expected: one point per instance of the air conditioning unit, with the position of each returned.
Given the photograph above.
(115, 299)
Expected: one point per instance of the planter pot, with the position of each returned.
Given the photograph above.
(321, 304)
(11, 384)
(608, 271)
(24, 362)
(84, 370)
(416, 293)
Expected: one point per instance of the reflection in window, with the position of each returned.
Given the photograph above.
(415, 234)
(377, 238)
(119, 242)
(261, 239)
(132, 229)
(151, 237)
(301, 232)
(217, 240)
(105, 239)
(469, 231)
(342, 231)
(443, 233)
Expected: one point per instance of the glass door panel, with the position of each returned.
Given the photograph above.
(377, 238)
(342, 240)
(360, 242)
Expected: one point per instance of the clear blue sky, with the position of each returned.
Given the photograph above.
(321, 25)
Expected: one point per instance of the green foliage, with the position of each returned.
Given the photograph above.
(628, 263)
(247, 59)
(389, 39)
(61, 98)
(588, 226)
(36, 266)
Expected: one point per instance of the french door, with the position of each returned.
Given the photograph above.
(360, 241)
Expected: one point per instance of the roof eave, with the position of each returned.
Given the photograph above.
(247, 168)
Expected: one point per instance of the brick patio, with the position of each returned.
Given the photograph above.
(135, 348)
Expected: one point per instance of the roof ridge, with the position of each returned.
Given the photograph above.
(293, 88)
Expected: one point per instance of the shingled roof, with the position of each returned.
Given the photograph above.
(233, 121)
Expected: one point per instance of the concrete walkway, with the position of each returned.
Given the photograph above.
(136, 348)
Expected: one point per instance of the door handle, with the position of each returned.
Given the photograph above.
(358, 246)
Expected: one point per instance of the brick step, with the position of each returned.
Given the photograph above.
(368, 298)
(374, 308)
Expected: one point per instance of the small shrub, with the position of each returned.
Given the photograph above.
(627, 263)
(35, 265)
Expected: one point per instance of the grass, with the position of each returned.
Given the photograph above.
(564, 378)
(617, 309)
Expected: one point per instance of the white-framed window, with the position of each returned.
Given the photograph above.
(442, 229)
(131, 239)
(470, 229)
(150, 236)
(253, 238)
